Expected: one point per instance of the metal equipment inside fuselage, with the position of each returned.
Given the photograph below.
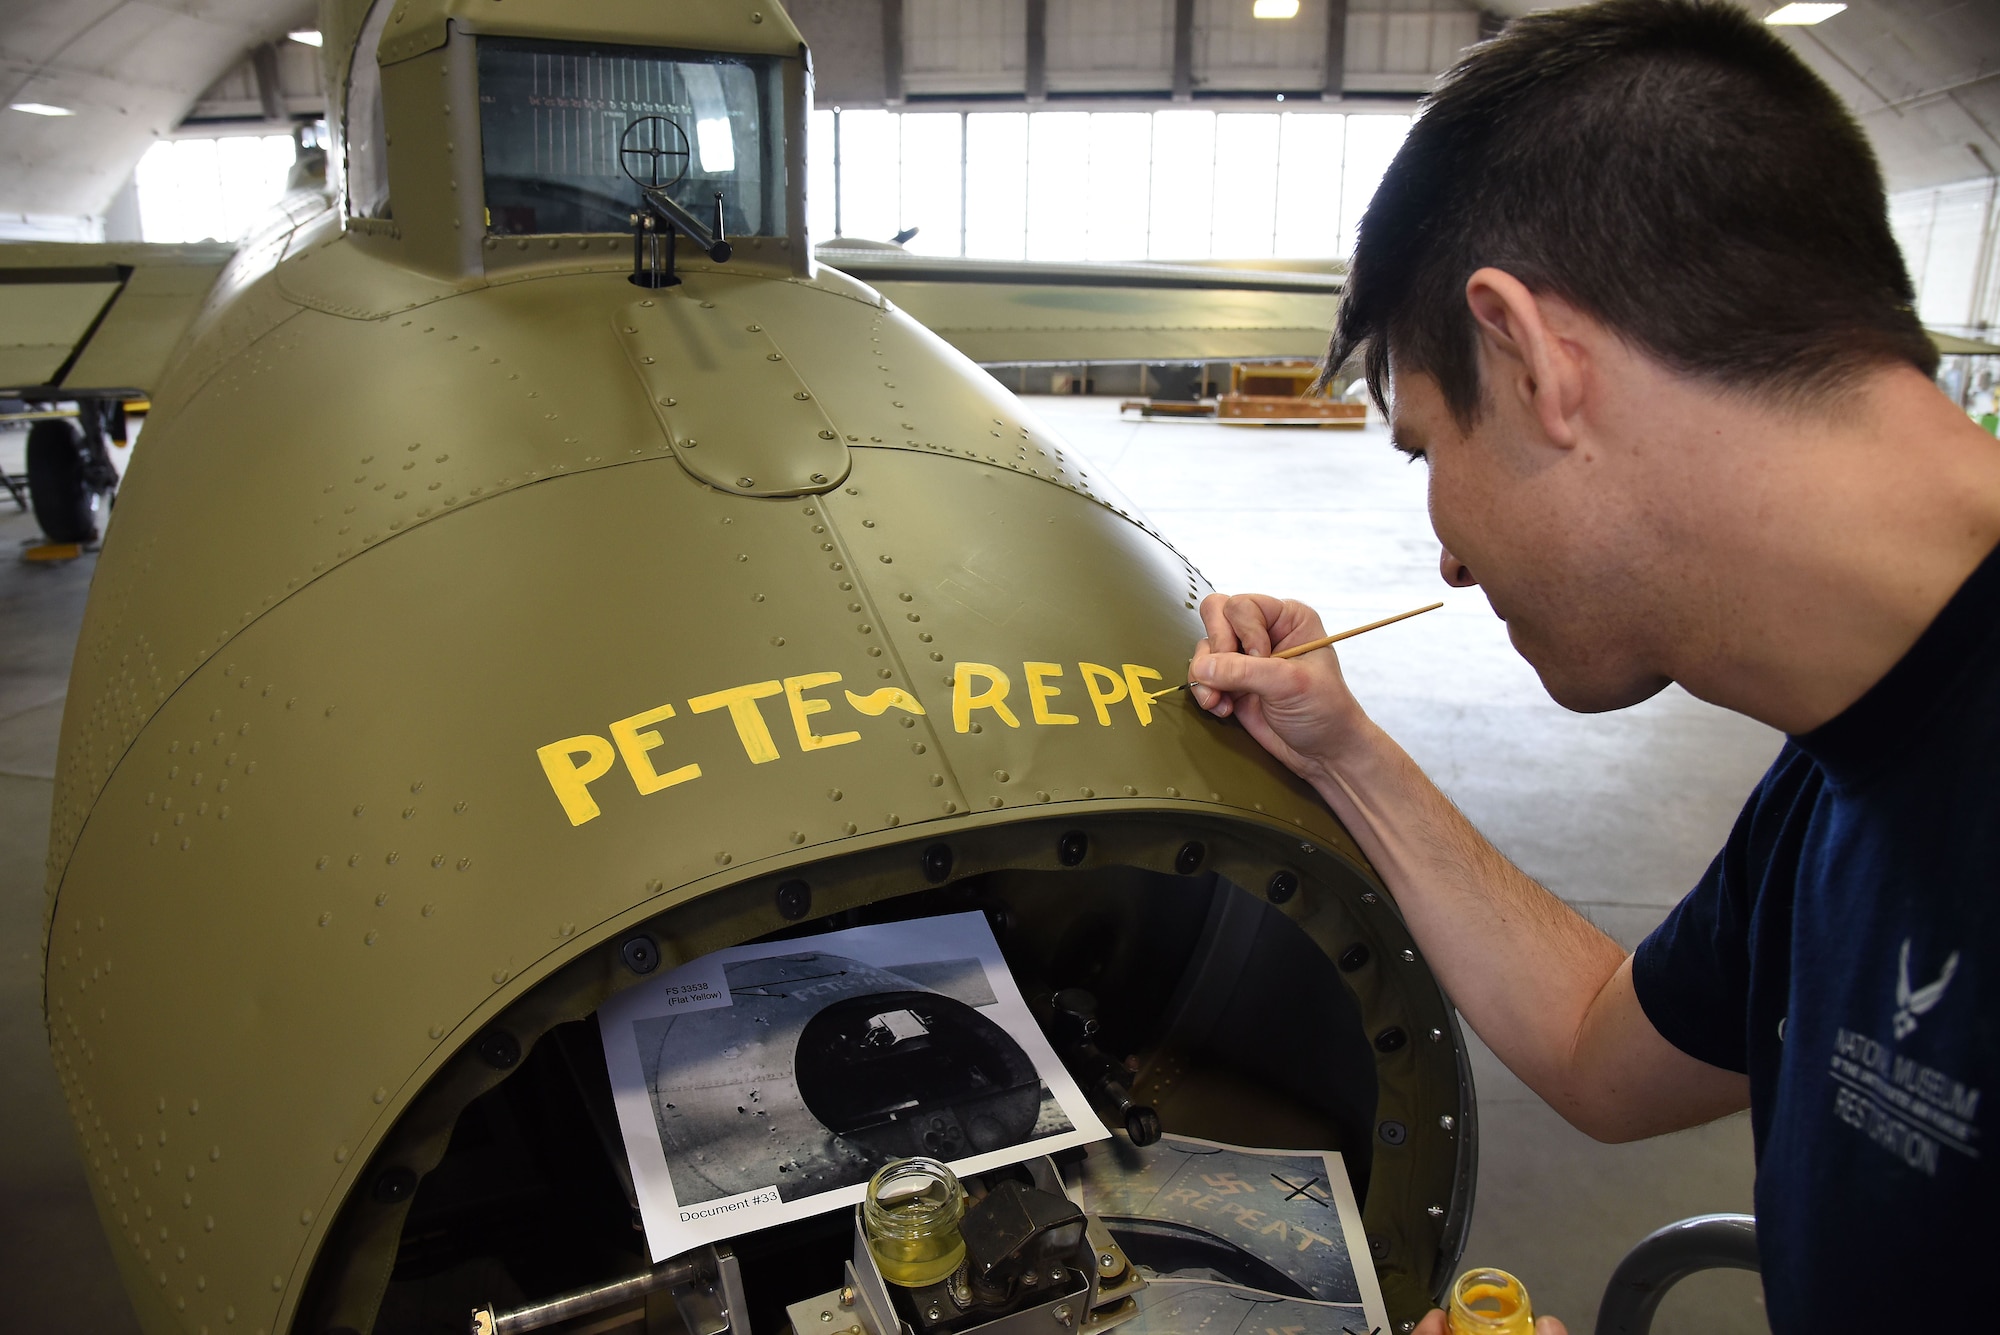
(589, 627)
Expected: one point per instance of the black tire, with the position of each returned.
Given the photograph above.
(64, 502)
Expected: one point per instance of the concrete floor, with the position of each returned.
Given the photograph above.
(1617, 813)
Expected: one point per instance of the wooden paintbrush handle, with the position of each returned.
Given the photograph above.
(1311, 645)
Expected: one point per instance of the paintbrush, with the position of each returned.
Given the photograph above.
(1324, 641)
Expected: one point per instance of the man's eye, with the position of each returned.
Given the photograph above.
(1416, 456)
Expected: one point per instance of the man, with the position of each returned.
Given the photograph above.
(1632, 279)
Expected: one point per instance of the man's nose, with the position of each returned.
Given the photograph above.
(1456, 572)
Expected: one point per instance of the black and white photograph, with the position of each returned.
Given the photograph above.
(769, 1082)
(1227, 1233)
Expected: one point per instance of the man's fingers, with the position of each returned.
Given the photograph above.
(1248, 622)
(1434, 1324)
(1295, 624)
(1250, 616)
(1221, 637)
(1240, 672)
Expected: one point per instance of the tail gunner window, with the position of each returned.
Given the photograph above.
(565, 126)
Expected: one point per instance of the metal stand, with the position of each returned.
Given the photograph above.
(1667, 1256)
(653, 229)
(654, 153)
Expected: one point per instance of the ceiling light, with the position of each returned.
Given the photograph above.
(306, 36)
(1799, 14)
(1275, 9)
(42, 109)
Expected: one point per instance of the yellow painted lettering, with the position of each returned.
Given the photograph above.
(1307, 1238)
(1105, 688)
(875, 703)
(1276, 1226)
(633, 744)
(572, 780)
(1142, 699)
(803, 709)
(964, 699)
(1040, 692)
(741, 702)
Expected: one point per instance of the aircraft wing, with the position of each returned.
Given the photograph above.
(1956, 345)
(84, 318)
(1010, 311)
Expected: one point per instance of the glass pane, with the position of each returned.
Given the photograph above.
(1372, 142)
(996, 184)
(819, 177)
(930, 181)
(1246, 179)
(869, 175)
(566, 126)
(1310, 153)
(1058, 179)
(1183, 184)
(1121, 161)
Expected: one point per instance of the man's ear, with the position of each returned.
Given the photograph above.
(1523, 356)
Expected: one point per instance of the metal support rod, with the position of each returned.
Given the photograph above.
(1183, 50)
(892, 52)
(1667, 1256)
(270, 88)
(1038, 50)
(1335, 71)
(695, 1268)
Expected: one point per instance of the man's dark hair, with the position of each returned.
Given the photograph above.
(1669, 167)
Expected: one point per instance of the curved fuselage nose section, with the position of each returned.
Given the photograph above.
(442, 637)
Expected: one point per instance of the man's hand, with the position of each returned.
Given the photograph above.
(1434, 1324)
(1299, 708)
(1551, 994)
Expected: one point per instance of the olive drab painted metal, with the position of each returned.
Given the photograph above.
(464, 608)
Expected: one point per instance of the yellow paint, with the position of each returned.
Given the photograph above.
(1142, 699)
(889, 697)
(574, 763)
(1113, 689)
(803, 709)
(964, 700)
(571, 780)
(1489, 1302)
(1040, 692)
(633, 745)
(741, 702)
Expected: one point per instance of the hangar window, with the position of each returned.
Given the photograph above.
(1179, 184)
(566, 127)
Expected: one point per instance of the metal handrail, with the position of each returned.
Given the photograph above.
(1664, 1258)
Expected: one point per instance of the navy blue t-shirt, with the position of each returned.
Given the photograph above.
(1841, 951)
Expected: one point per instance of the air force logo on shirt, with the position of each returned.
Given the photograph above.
(1912, 1002)
(1913, 1110)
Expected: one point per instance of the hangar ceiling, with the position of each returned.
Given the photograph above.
(1923, 75)
(129, 69)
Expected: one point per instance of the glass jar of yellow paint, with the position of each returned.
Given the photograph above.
(911, 1216)
(1489, 1302)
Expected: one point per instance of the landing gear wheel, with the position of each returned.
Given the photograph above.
(65, 503)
